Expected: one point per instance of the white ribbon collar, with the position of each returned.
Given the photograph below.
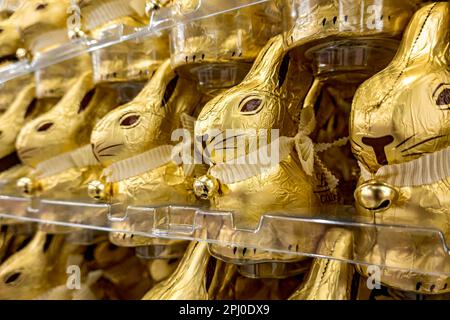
(307, 151)
(78, 158)
(425, 170)
(149, 160)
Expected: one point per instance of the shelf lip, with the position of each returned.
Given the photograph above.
(218, 228)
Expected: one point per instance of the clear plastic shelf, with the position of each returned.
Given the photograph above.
(421, 250)
(160, 20)
(203, 9)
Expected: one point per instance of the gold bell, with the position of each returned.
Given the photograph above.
(75, 33)
(206, 187)
(150, 6)
(23, 54)
(98, 190)
(27, 186)
(375, 195)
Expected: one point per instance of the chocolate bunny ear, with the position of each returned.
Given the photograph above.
(164, 88)
(157, 84)
(78, 97)
(22, 106)
(427, 35)
(271, 65)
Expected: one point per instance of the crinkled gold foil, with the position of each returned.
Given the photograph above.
(65, 127)
(283, 187)
(145, 123)
(328, 279)
(188, 282)
(36, 268)
(10, 41)
(399, 115)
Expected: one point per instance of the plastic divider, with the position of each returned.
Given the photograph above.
(285, 233)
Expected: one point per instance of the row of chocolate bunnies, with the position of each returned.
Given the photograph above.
(96, 143)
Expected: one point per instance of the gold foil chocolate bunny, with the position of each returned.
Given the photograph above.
(36, 27)
(23, 109)
(267, 102)
(9, 34)
(134, 143)
(330, 279)
(400, 129)
(36, 268)
(34, 18)
(56, 144)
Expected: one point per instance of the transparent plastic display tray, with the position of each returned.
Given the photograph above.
(161, 19)
(418, 249)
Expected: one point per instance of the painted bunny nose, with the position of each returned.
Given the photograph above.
(378, 145)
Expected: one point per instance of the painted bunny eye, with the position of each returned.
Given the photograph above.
(129, 120)
(45, 126)
(13, 277)
(251, 106)
(41, 6)
(443, 98)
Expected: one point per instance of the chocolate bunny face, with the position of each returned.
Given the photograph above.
(400, 117)
(269, 98)
(25, 274)
(66, 126)
(403, 112)
(36, 16)
(148, 120)
(258, 102)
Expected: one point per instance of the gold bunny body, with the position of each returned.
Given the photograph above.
(22, 110)
(399, 116)
(188, 282)
(65, 128)
(270, 97)
(144, 124)
(10, 42)
(329, 279)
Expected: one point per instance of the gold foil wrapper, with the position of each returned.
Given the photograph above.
(146, 123)
(64, 128)
(278, 87)
(401, 115)
(10, 41)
